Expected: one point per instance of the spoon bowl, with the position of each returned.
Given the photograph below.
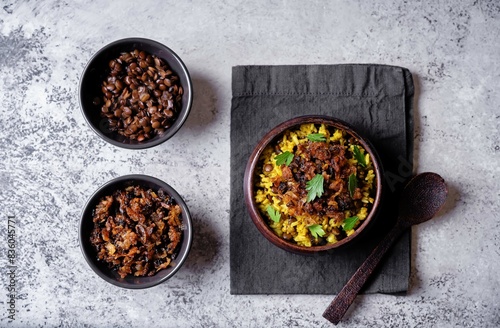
(422, 198)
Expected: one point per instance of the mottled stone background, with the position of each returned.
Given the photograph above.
(51, 162)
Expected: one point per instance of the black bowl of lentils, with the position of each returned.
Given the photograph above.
(135, 231)
(135, 93)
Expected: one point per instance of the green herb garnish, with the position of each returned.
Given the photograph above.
(316, 230)
(316, 137)
(352, 185)
(284, 158)
(359, 157)
(314, 187)
(349, 223)
(273, 214)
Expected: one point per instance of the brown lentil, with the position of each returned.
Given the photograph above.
(142, 96)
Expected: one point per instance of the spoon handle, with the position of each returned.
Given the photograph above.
(338, 307)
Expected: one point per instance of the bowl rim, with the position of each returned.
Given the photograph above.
(179, 121)
(251, 166)
(186, 220)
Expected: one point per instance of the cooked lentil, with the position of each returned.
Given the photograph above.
(142, 96)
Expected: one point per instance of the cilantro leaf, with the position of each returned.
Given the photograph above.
(273, 214)
(352, 184)
(284, 158)
(359, 157)
(349, 223)
(316, 137)
(314, 187)
(316, 230)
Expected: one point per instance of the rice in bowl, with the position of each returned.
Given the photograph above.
(315, 185)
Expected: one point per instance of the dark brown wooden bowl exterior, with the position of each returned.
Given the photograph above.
(248, 183)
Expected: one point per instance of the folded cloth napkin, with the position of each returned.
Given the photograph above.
(377, 101)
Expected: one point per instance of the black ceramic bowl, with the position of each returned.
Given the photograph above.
(98, 68)
(259, 218)
(86, 227)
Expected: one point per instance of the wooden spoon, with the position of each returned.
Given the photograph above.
(420, 200)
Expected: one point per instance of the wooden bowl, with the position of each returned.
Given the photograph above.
(260, 219)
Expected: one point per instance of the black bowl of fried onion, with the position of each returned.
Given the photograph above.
(135, 231)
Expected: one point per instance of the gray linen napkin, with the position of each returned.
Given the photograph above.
(375, 99)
